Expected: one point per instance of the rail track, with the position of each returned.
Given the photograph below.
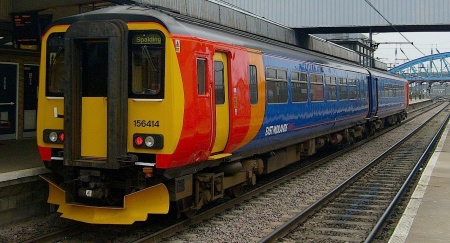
(55, 236)
(357, 209)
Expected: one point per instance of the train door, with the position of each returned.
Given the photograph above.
(31, 78)
(8, 100)
(221, 101)
(373, 96)
(95, 102)
(376, 96)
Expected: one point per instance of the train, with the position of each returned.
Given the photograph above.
(142, 111)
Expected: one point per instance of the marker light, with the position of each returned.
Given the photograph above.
(61, 137)
(138, 140)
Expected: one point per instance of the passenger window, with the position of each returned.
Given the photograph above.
(352, 92)
(343, 92)
(281, 75)
(276, 86)
(316, 87)
(331, 88)
(299, 87)
(201, 76)
(271, 73)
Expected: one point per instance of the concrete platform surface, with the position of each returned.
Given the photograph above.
(20, 158)
(427, 216)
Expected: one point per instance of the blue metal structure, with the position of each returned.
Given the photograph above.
(432, 68)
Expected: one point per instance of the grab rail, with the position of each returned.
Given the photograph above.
(10, 103)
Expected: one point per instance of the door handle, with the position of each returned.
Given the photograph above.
(10, 103)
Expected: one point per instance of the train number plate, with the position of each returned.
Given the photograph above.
(146, 123)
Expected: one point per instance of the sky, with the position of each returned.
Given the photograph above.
(424, 41)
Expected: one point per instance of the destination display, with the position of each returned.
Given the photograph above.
(147, 39)
(26, 28)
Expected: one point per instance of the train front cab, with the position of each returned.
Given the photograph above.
(94, 129)
(83, 130)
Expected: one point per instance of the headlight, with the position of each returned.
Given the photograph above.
(53, 136)
(149, 141)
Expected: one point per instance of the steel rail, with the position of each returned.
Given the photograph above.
(405, 185)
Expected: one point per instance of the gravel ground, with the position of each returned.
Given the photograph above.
(39, 225)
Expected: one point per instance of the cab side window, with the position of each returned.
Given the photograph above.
(253, 82)
(201, 76)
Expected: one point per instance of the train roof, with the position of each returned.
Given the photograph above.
(378, 73)
(185, 25)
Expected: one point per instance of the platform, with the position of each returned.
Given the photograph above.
(19, 159)
(23, 193)
(426, 218)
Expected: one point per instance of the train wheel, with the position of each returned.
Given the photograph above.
(351, 141)
(370, 129)
(190, 213)
(185, 207)
(236, 191)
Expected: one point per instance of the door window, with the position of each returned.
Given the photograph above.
(218, 82)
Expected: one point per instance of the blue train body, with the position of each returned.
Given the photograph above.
(372, 96)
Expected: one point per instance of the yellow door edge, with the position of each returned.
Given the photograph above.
(218, 156)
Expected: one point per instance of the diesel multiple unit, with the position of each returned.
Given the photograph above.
(142, 110)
